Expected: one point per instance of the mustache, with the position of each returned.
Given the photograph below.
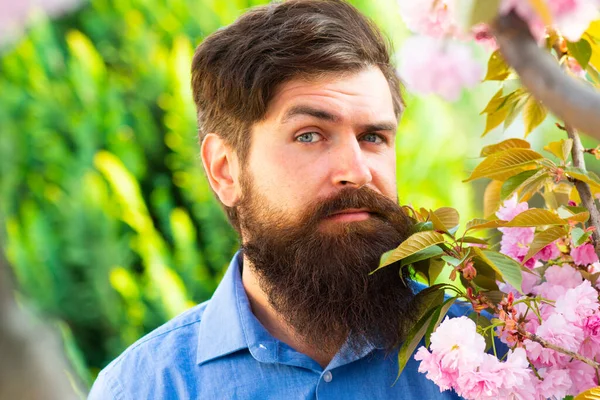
(356, 198)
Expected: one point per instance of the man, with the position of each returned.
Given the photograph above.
(298, 107)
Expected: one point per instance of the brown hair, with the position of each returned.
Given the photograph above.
(236, 70)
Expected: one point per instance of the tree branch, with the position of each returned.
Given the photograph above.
(548, 345)
(571, 100)
(587, 198)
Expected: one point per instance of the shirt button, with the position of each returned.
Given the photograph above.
(327, 376)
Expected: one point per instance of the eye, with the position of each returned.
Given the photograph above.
(374, 138)
(309, 137)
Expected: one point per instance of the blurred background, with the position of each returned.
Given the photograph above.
(108, 223)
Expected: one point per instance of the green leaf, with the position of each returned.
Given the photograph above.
(494, 119)
(579, 236)
(491, 198)
(428, 301)
(503, 165)
(535, 217)
(478, 224)
(576, 235)
(534, 113)
(424, 254)
(532, 185)
(512, 184)
(506, 267)
(451, 260)
(495, 103)
(585, 176)
(472, 239)
(422, 227)
(570, 210)
(504, 145)
(485, 282)
(543, 239)
(482, 322)
(448, 217)
(415, 243)
(557, 195)
(436, 266)
(437, 318)
(581, 51)
(421, 269)
(495, 296)
(518, 102)
(484, 269)
(497, 69)
(561, 149)
(577, 214)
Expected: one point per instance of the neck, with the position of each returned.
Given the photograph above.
(273, 321)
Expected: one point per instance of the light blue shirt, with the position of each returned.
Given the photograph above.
(219, 350)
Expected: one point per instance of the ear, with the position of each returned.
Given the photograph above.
(222, 168)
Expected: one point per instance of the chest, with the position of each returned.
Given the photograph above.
(242, 377)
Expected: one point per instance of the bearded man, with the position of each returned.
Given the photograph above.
(298, 106)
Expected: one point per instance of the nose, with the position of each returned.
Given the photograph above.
(350, 168)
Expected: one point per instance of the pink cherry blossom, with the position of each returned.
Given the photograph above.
(592, 326)
(570, 17)
(431, 366)
(482, 35)
(578, 303)
(435, 18)
(455, 346)
(549, 252)
(558, 280)
(555, 383)
(564, 275)
(516, 241)
(511, 208)
(556, 330)
(494, 380)
(483, 382)
(583, 376)
(458, 343)
(590, 347)
(517, 378)
(436, 66)
(584, 254)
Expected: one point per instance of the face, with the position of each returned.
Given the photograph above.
(318, 209)
(321, 136)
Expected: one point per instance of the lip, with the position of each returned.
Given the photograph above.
(351, 214)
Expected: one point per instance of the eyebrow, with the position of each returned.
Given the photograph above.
(309, 111)
(300, 110)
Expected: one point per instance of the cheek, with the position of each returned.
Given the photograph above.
(286, 180)
(384, 175)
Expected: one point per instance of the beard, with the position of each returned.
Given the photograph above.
(315, 272)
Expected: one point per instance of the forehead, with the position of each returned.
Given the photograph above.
(362, 94)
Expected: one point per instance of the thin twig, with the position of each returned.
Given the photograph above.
(570, 99)
(587, 198)
(548, 345)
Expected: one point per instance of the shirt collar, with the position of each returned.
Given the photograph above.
(220, 331)
(228, 324)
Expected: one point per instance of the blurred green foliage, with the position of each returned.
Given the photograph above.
(111, 227)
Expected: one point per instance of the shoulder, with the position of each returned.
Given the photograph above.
(141, 366)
